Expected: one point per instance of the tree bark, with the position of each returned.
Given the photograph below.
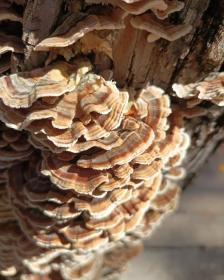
(162, 63)
(39, 19)
(189, 59)
(186, 60)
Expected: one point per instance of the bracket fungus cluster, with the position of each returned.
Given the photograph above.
(210, 89)
(110, 30)
(88, 167)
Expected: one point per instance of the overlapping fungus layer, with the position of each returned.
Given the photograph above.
(110, 32)
(87, 169)
(209, 89)
(103, 167)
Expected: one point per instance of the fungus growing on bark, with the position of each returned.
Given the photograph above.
(142, 15)
(89, 165)
(103, 161)
(82, 25)
(159, 29)
(210, 89)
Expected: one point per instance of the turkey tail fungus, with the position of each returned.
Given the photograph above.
(95, 149)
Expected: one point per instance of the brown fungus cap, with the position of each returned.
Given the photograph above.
(90, 186)
(89, 168)
(210, 89)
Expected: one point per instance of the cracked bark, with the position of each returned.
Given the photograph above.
(162, 63)
(40, 17)
(184, 61)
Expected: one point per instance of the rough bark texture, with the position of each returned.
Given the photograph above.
(39, 19)
(186, 60)
(162, 63)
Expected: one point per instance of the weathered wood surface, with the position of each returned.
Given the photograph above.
(162, 63)
(40, 17)
(186, 60)
(190, 243)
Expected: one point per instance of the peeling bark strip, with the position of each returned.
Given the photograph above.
(39, 19)
(95, 102)
(186, 60)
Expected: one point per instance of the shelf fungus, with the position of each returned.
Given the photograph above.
(82, 25)
(105, 33)
(210, 89)
(86, 169)
(89, 165)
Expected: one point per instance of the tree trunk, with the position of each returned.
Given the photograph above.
(137, 63)
(162, 63)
